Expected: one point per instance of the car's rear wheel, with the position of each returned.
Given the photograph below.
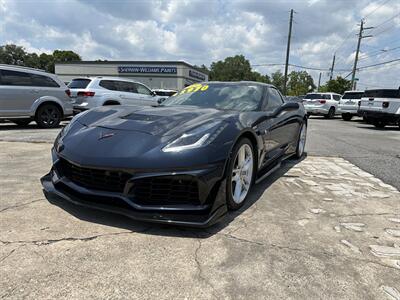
(22, 122)
(301, 144)
(347, 117)
(48, 116)
(240, 174)
(331, 113)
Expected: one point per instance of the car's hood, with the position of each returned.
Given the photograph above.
(157, 121)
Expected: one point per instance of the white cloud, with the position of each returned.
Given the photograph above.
(204, 31)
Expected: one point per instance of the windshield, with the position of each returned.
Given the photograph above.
(357, 95)
(79, 83)
(317, 96)
(382, 94)
(223, 96)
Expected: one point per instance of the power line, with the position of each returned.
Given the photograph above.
(379, 64)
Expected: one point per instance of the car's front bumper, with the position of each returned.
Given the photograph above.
(211, 207)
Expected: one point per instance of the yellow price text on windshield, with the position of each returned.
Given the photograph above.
(194, 88)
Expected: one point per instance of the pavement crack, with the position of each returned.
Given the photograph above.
(21, 205)
(7, 255)
(68, 239)
(200, 269)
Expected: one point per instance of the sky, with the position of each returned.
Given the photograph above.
(200, 32)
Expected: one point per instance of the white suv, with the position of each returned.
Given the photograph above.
(325, 104)
(348, 105)
(381, 107)
(89, 92)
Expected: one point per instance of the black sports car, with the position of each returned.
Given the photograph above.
(187, 161)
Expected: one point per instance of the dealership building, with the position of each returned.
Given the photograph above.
(155, 74)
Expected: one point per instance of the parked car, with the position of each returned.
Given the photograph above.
(325, 104)
(28, 94)
(381, 107)
(348, 104)
(163, 94)
(198, 154)
(90, 92)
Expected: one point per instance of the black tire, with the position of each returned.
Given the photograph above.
(379, 124)
(48, 116)
(331, 113)
(232, 205)
(347, 117)
(22, 122)
(300, 152)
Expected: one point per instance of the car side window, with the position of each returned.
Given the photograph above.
(128, 87)
(111, 85)
(15, 78)
(43, 81)
(141, 89)
(336, 97)
(274, 100)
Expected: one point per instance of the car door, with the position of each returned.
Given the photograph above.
(146, 95)
(283, 127)
(17, 93)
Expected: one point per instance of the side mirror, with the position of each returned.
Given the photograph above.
(153, 93)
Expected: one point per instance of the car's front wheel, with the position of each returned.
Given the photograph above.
(379, 124)
(301, 143)
(240, 174)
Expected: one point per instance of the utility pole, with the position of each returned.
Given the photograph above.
(333, 65)
(319, 81)
(360, 37)
(287, 52)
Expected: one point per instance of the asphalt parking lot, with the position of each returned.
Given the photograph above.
(327, 226)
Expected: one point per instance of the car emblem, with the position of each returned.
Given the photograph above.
(105, 135)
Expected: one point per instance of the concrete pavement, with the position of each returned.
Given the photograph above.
(319, 228)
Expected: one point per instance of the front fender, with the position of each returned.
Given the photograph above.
(66, 107)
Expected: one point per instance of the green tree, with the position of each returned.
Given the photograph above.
(46, 62)
(277, 80)
(234, 68)
(260, 78)
(299, 83)
(338, 85)
(12, 54)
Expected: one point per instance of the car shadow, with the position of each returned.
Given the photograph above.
(373, 128)
(123, 222)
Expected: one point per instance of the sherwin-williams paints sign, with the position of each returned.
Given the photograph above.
(146, 70)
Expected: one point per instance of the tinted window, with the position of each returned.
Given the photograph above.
(382, 94)
(43, 81)
(111, 85)
(79, 83)
(357, 95)
(15, 78)
(313, 96)
(164, 93)
(128, 87)
(274, 100)
(223, 96)
(141, 89)
(336, 97)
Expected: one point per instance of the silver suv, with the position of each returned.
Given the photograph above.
(90, 92)
(29, 94)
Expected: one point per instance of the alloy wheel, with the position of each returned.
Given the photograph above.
(242, 173)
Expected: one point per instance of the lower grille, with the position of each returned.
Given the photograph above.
(166, 190)
(104, 180)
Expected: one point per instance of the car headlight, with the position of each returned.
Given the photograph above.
(196, 138)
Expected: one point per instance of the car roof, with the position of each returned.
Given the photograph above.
(106, 78)
(323, 93)
(24, 68)
(354, 92)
